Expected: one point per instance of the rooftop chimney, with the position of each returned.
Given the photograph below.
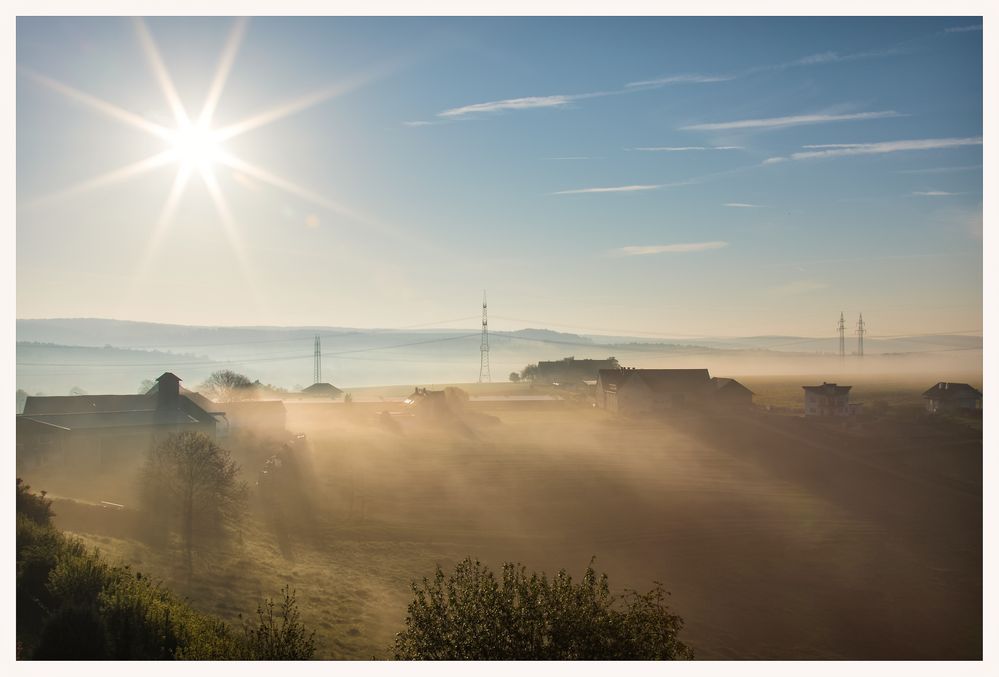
(168, 392)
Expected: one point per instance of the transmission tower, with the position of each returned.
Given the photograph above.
(484, 346)
(842, 336)
(317, 370)
(860, 336)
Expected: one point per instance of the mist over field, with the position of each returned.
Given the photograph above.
(777, 537)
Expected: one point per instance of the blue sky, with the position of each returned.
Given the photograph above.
(686, 176)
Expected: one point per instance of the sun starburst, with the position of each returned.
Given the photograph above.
(193, 144)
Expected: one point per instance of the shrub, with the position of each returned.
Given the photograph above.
(282, 638)
(470, 615)
(72, 604)
(33, 506)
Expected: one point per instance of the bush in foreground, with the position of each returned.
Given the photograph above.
(72, 604)
(470, 615)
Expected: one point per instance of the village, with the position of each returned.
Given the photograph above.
(93, 431)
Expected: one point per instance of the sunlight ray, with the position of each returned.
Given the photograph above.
(98, 104)
(116, 176)
(170, 206)
(161, 73)
(225, 215)
(161, 225)
(232, 233)
(260, 174)
(222, 72)
(303, 102)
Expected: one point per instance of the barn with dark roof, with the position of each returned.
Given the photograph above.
(637, 391)
(107, 429)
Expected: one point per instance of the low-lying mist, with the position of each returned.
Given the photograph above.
(779, 537)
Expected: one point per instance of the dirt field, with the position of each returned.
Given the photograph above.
(778, 537)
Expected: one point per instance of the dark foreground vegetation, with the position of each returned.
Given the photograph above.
(470, 615)
(72, 604)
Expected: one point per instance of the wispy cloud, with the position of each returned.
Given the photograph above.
(563, 100)
(742, 205)
(522, 103)
(963, 29)
(571, 157)
(680, 149)
(789, 121)
(645, 250)
(821, 58)
(841, 150)
(809, 60)
(939, 170)
(934, 193)
(656, 186)
(418, 123)
(689, 78)
(612, 189)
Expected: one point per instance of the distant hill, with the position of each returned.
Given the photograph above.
(98, 355)
(54, 369)
(544, 335)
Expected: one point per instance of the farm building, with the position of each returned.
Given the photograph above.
(952, 397)
(637, 391)
(827, 399)
(568, 370)
(99, 430)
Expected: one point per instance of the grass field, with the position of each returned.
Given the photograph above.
(778, 537)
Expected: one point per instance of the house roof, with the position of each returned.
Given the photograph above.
(658, 380)
(195, 397)
(952, 391)
(828, 389)
(87, 404)
(75, 412)
(321, 389)
(729, 383)
(117, 419)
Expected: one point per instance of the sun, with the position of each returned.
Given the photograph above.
(195, 146)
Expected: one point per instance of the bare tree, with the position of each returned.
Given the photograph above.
(226, 385)
(191, 487)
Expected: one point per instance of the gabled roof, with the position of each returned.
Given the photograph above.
(195, 397)
(828, 389)
(952, 391)
(729, 384)
(322, 389)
